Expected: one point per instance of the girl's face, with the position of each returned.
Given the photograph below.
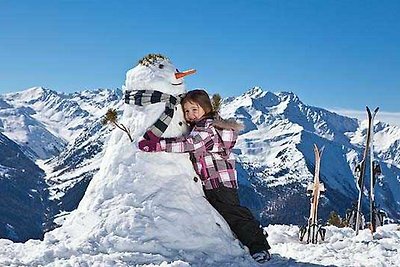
(193, 111)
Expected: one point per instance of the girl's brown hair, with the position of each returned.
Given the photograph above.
(200, 97)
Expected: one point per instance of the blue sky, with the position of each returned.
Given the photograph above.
(332, 54)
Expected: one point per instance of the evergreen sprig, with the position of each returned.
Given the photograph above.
(111, 117)
(150, 59)
(336, 220)
(216, 102)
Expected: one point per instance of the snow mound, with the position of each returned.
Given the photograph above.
(340, 248)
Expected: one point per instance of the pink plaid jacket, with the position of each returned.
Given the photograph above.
(209, 145)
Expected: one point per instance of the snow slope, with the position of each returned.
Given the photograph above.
(341, 247)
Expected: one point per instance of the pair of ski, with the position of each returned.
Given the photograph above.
(374, 173)
(313, 230)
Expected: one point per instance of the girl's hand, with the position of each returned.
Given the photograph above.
(149, 145)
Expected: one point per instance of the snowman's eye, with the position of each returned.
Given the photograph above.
(161, 66)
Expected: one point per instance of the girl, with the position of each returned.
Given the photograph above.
(209, 144)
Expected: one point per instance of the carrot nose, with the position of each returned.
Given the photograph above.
(182, 74)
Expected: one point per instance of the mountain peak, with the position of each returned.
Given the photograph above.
(255, 92)
(289, 96)
(32, 94)
(38, 90)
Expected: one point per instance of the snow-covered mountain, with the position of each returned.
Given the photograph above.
(44, 122)
(276, 154)
(19, 124)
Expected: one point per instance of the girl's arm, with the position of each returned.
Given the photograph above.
(197, 141)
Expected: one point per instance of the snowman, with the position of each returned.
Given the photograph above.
(166, 183)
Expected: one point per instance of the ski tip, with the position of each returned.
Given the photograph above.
(318, 151)
(368, 112)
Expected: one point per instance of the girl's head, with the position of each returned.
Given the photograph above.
(196, 104)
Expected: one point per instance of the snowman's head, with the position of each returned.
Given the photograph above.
(156, 72)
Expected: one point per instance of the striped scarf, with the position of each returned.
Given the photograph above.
(148, 97)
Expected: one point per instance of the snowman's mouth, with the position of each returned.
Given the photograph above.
(176, 84)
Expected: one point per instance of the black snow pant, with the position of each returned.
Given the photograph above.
(241, 221)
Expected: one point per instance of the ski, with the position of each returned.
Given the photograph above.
(313, 230)
(360, 171)
(374, 172)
